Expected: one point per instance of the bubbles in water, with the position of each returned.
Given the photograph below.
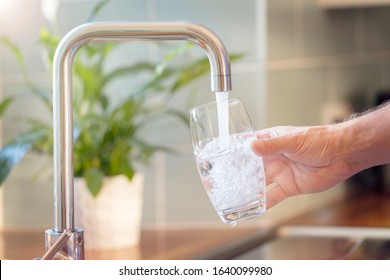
(232, 176)
(205, 167)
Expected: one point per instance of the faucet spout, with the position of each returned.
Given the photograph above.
(63, 109)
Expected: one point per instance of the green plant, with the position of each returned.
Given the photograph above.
(4, 104)
(108, 133)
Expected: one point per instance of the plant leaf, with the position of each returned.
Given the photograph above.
(96, 10)
(49, 42)
(123, 71)
(172, 55)
(19, 56)
(94, 179)
(178, 114)
(10, 155)
(195, 70)
(190, 73)
(156, 83)
(15, 50)
(43, 95)
(4, 104)
(146, 150)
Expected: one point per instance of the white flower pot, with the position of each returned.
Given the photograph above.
(112, 220)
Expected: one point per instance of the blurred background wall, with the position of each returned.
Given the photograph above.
(305, 65)
(319, 57)
(173, 191)
(326, 60)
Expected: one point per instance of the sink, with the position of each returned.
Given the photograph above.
(311, 243)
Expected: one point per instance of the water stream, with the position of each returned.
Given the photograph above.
(223, 117)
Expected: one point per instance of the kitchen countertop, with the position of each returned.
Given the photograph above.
(363, 209)
(169, 243)
(370, 209)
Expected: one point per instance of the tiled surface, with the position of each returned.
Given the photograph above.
(23, 32)
(317, 57)
(327, 32)
(295, 96)
(233, 21)
(28, 197)
(283, 38)
(365, 79)
(248, 87)
(185, 196)
(377, 33)
(26, 106)
(314, 57)
(118, 10)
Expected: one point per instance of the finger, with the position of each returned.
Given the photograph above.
(275, 195)
(261, 148)
(274, 167)
(284, 144)
(275, 131)
(271, 141)
(271, 146)
(266, 133)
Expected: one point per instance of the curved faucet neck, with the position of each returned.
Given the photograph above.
(62, 89)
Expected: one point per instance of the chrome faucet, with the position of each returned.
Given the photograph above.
(64, 241)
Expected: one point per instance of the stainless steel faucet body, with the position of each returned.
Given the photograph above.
(64, 241)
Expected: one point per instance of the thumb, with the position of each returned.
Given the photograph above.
(272, 146)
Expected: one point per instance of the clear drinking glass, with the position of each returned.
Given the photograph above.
(232, 175)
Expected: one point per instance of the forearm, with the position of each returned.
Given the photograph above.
(366, 140)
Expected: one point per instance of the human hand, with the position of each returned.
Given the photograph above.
(301, 160)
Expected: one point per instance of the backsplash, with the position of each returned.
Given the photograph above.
(173, 190)
(301, 61)
(323, 65)
(320, 57)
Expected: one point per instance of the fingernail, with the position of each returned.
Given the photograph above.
(257, 145)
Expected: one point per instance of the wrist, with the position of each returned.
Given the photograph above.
(366, 140)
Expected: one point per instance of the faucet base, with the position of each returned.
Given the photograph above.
(71, 248)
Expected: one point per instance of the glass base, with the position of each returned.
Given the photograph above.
(254, 209)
